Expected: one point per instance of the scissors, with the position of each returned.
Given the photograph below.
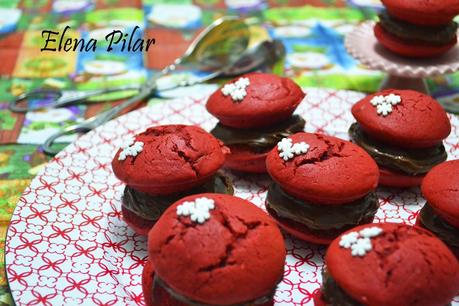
(215, 49)
(54, 98)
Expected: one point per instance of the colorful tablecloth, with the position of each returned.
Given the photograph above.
(311, 30)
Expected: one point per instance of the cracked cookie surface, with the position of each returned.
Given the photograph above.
(332, 172)
(406, 266)
(174, 159)
(235, 256)
(269, 99)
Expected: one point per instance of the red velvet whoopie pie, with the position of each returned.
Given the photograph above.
(418, 28)
(388, 264)
(322, 186)
(440, 214)
(211, 249)
(254, 113)
(164, 164)
(403, 131)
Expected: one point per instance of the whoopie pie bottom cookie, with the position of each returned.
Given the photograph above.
(163, 295)
(318, 223)
(335, 294)
(434, 35)
(141, 210)
(398, 166)
(414, 40)
(249, 147)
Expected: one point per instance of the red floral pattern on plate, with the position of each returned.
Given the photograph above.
(67, 243)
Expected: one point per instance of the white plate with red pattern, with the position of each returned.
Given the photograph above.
(68, 245)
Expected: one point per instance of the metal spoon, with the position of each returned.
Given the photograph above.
(259, 57)
(219, 46)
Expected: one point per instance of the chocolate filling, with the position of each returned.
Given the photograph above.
(151, 207)
(408, 161)
(321, 219)
(433, 35)
(436, 224)
(158, 296)
(265, 138)
(333, 294)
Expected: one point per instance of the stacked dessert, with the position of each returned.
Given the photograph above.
(211, 249)
(322, 186)
(255, 113)
(403, 131)
(418, 28)
(163, 164)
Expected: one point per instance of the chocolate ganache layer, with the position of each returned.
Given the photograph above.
(333, 294)
(319, 218)
(437, 225)
(159, 296)
(439, 35)
(152, 207)
(411, 162)
(259, 138)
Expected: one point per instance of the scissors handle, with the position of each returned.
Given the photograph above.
(59, 97)
(49, 142)
(145, 91)
(41, 93)
(95, 121)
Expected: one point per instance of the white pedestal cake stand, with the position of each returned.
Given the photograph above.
(402, 72)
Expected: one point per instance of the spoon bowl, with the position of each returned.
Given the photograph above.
(220, 45)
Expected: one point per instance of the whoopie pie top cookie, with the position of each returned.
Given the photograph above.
(255, 100)
(168, 159)
(391, 264)
(405, 118)
(322, 169)
(212, 249)
(423, 12)
(441, 189)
